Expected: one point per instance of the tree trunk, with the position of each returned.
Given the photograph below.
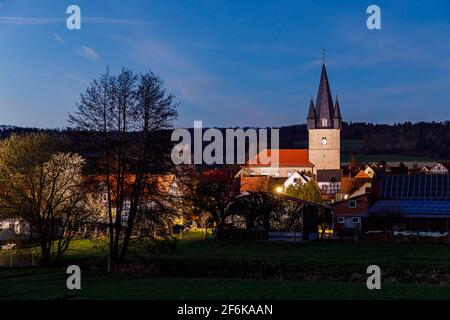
(45, 253)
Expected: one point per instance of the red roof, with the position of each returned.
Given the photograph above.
(255, 183)
(286, 158)
(446, 165)
(362, 175)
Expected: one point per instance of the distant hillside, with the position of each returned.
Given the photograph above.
(429, 140)
(7, 130)
(423, 139)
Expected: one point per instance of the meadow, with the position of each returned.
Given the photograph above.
(205, 269)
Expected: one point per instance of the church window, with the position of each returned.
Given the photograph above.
(324, 122)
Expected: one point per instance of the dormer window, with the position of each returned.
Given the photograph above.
(324, 122)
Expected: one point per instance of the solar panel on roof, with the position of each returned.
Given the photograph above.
(411, 207)
(416, 187)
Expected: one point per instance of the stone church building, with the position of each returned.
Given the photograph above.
(322, 158)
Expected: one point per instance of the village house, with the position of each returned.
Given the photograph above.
(396, 203)
(440, 168)
(13, 227)
(349, 213)
(164, 190)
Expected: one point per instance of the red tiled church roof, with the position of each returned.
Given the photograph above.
(286, 158)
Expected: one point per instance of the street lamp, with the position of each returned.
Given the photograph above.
(278, 189)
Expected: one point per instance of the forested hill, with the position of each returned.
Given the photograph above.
(422, 139)
(7, 130)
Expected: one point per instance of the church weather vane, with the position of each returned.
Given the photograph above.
(323, 56)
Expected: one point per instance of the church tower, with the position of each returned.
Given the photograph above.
(324, 124)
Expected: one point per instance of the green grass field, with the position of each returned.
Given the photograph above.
(51, 284)
(246, 270)
(340, 256)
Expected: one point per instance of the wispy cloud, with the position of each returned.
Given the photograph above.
(200, 89)
(115, 21)
(58, 38)
(87, 53)
(91, 20)
(30, 21)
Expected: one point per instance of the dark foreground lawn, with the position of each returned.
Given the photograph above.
(51, 284)
(202, 269)
(314, 254)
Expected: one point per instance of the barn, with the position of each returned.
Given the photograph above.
(419, 202)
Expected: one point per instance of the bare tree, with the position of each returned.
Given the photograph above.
(128, 111)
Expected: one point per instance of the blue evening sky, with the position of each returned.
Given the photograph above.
(230, 63)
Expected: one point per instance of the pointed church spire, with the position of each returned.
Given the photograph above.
(311, 111)
(324, 104)
(311, 119)
(337, 110)
(337, 121)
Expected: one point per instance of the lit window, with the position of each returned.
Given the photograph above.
(352, 204)
(341, 220)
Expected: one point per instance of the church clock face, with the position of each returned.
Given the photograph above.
(324, 141)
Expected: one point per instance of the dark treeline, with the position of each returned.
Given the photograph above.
(6, 131)
(422, 139)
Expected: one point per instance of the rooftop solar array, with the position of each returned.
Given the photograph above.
(432, 187)
(411, 207)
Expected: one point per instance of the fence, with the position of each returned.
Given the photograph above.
(17, 259)
(285, 236)
(290, 236)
